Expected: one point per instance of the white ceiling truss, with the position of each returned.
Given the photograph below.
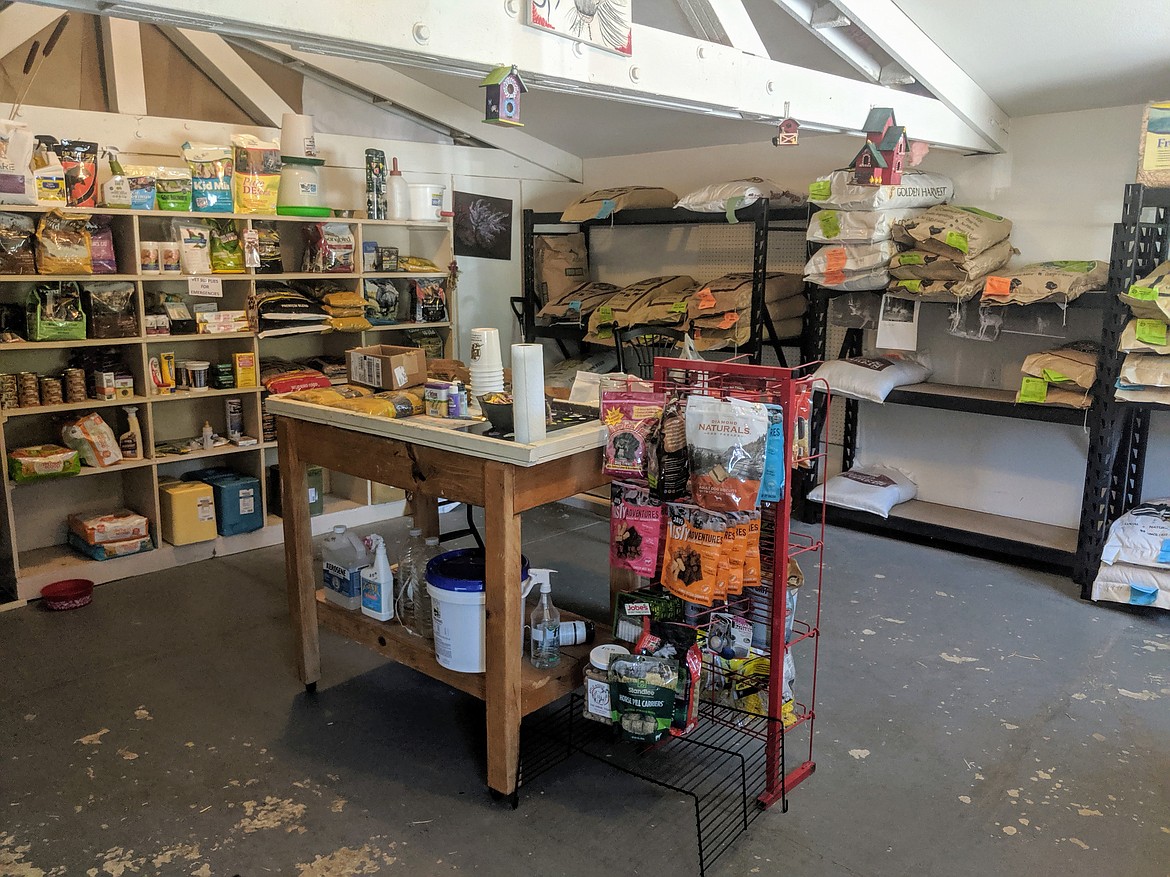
(122, 57)
(21, 22)
(724, 21)
(732, 78)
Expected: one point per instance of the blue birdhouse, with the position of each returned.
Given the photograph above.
(504, 87)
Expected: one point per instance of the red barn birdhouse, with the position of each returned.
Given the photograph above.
(504, 87)
(788, 134)
(880, 160)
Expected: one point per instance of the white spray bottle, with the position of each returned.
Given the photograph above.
(377, 582)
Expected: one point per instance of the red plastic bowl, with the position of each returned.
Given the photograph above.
(68, 594)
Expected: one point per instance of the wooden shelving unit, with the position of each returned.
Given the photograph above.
(33, 552)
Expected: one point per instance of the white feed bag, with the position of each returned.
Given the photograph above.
(856, 226)
(1141, 536)
(873, 489)
(1136, 585)
(870, 378)
(917, 189)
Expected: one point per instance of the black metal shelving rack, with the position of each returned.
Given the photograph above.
(949, 527)
(764, 220)
(1119, 431)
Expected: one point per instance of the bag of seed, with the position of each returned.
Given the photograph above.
(268, 239)
(694, 547)
(635, 527)
(726, 439)
(227, 250)
(641, 692)
(629, 417)
(256, 176)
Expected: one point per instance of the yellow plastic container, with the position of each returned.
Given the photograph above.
(188, 512)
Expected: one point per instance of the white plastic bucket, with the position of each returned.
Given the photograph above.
(426, 201)
(460, 622)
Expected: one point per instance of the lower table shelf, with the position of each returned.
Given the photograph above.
(389, 639)
(1009, 537)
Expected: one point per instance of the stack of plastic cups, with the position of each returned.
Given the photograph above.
(486, 366)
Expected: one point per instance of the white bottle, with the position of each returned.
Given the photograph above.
(397, 194)
(408, 579)
(343, 557)
(545, 651)
(377, 582)
(130, 442)
(424, 621)
(208, 436)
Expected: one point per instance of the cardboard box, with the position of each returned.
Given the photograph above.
(387, 367)
(1154, 147)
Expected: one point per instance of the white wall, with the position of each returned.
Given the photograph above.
(1061, 184)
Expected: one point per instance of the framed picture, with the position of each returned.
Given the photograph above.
(601, 23)
(483, 226)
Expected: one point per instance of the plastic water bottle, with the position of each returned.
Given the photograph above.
(409, 577)
(424, 621)
(545, 651)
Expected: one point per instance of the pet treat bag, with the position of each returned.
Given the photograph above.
(726, 439)
(635, 527)
(667, 463)
(735, 540)
(775, 463)
(694, 548)
(628, 418)
(641, 692)
(751, 557)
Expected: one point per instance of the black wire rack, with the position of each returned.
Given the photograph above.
(721, 766)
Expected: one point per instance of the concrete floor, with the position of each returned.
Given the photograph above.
(975, 719)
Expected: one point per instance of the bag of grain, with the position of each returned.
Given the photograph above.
(1059, 282)
(577, 303)
(925, 265)
(665, 306)
(617, 310)
(729, 197)
(952, 231)
(1149, 298)
(1072, 364)
(856, 226)
(917, 189)
(1144, 336)
(603, 202)
(733, 292)
(948, 291)
(561, 263)
(1145, 370)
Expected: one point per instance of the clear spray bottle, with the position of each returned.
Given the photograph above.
(545, 651)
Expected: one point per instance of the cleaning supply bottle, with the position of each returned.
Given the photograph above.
(116, 191)
(545, 651)
(130, 442)
(397, 194)
(343, 557)
(208, 436)
(377, 582)
(409, 578)
(424, 622)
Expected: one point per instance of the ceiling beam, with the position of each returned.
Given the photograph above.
(724, 21)
(21, 22)
(227, 69)
(668, 70)
(397, 89)
(813, 16)
(905, 42)
(123, 70)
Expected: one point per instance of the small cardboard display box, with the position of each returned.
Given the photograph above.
(386, 366)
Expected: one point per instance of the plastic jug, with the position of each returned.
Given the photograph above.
(343, 556)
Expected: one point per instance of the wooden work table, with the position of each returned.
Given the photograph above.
(433, 461)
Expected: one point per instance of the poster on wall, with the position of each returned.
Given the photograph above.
(601, 23)
(483, 226)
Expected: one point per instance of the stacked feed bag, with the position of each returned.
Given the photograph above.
(720, 312)
(856, 223)
(1145, 373)
(1135, 562)
(1062, 376)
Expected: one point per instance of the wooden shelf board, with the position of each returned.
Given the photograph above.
(388, 275)
(179, 339)
(405, 327)
(310, 275)
(66, 345)
(53, 278)
(389, 639)
(75, 406)
(222, 451)
(188, 395)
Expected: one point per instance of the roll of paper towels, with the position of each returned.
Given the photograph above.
(528, 392)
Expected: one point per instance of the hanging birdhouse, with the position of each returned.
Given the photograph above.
(504, 87)
(789, 133)
(881, 158)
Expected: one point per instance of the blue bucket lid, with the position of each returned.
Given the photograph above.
(463, 570)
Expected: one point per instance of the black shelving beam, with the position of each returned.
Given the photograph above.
(1119, 431)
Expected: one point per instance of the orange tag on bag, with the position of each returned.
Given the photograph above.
(835, 260)
(729, 320)
(997, 287)
(705, 298)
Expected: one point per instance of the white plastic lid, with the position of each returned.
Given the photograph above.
(339, 528)
(415, 531)
(599, 655)
(432, 540)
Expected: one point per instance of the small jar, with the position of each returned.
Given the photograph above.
(597, 706)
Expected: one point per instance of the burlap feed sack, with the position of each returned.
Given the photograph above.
(1154, 145)
(666, 306)
(561, 262)
(1156, 395)
(1149, 298)
(844, 259)
(956, 232)
(733, 292)
(788, 309)
(1059, 282)
(716, 339)
(948, 291)
(1074, 363)
(855, 226)
(875, 279)
(603, 202)
(1130, 343)
(786, 329)
(925, 265)
(1145, 370)
(917, 189)
(1062, 398)
(578, 303)
(617, 311)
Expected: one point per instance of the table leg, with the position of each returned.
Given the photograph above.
(504, 634)
(425, 511)
(300, 573)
